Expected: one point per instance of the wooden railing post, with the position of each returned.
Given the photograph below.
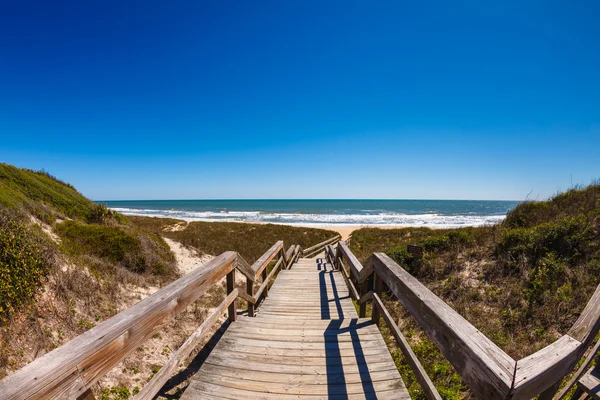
(250, 291)
(232, 309)
(364, 288)
(377, 288)
(264, 278)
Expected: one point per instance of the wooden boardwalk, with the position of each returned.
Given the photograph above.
(306, 342)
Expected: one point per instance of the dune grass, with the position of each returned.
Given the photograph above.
(250, 240)
(522, 283)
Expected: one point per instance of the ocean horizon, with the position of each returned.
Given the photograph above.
(320, 213)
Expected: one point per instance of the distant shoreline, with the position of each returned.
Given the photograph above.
(334, 214)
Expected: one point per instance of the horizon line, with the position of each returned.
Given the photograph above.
(307, 199)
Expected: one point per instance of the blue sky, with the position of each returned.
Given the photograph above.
(303, 99)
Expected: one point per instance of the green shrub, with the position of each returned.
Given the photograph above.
(108, 242)
(136, 251)
(22, 188)
(436, 243)
(23, 265)
(100, 214)
(410, 262)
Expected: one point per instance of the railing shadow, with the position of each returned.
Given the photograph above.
(336, 378)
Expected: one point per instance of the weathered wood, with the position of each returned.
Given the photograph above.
(428, 387)
(580, 372)
(305, 342)
(266, 258)
(297, 252)
(311, 249)
(590, 383)
(245, 296)
(162, 376)
(351, 287)
(365, 298)
(377, 289)
(246, 269)
(250, 294)
(484, 367)
(288, 257)
(543, 369)
(87, 395)
(364, 289)
(265, 285)
(359, 272)
(587, 325)
(232, 311)
(96, 351)
(415, 250)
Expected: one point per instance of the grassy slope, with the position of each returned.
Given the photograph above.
(522, 283)
(51, 291)
(250, 240)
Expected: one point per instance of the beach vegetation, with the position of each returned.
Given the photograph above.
(522, 282)
(250, 240)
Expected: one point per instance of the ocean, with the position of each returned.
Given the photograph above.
(414, 213)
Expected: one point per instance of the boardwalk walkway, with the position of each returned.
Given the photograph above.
(306, 342)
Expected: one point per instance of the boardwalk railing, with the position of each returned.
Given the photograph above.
(70, 370)
(317, 248)
(489, 372)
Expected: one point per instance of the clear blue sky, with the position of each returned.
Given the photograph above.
(303, 99)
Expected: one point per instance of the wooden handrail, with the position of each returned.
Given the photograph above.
(319, 246)
(488, 371)
(70, 370)
(359, 272)
(264, 260)
(485, 367)
(162, 376)
(428, 387)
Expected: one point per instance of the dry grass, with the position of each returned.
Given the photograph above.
(250, 240)
(522, 283)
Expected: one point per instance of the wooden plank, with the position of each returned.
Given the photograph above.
(266, 258)
(359, 272)
(288, 257)
(587, 325)
(201, 390)
(301, 390)
(242, 265)
(580, 372)
(484, 367)
(415, 250)
(232, 310)
(96, 351)
(590, 383)
(163, 375)
(428, 387)
(349, 284)
(544, 368)
(265, 284)
(319, 245)
(267, 377)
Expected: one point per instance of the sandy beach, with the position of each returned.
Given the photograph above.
(346, 230)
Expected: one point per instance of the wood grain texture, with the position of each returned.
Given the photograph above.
(580, 371)
(587, 325)
(545, 368)
(485, 368)
(318, 246)
(162, 376)
(305, 342)
(357, 270)
(68, 371)
(264, 260)
(428, 387)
